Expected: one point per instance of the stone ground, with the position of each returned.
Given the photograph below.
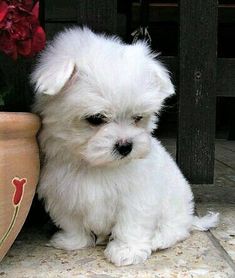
(204, 254)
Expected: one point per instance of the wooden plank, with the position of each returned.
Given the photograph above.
(225, 80)
(100, 15)
(168, 12)
(60, 10)
(197, 64)
(157, 12)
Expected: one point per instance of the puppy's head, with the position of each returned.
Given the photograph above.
(98, 97)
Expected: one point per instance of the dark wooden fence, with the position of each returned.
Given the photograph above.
(200, 75)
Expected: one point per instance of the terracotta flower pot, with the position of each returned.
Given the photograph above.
(19, 171)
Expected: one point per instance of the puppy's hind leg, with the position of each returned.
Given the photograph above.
(169, 235)
(171, 232)
(72, 235)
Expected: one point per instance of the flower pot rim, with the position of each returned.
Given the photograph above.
(20, 124)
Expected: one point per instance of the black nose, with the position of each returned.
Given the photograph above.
(123, 148)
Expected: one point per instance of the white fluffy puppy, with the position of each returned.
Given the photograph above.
(103, 172)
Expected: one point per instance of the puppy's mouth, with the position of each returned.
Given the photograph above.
(114, 161)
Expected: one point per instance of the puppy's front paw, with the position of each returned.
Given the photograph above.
(124, 254)
(68, 241)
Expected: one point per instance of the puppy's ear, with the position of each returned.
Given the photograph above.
(52, 73)
(161, 80)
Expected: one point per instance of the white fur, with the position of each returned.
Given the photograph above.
(142, 200)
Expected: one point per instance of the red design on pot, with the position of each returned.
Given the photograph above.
(19, 188)
(17, 198)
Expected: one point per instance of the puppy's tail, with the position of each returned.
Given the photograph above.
(206, 222)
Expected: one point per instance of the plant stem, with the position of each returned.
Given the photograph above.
(13, 220)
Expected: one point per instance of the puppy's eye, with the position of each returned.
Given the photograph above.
(96, 119)
(137, 118)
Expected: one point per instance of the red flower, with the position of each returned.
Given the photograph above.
(19, 186)
(20, 31)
